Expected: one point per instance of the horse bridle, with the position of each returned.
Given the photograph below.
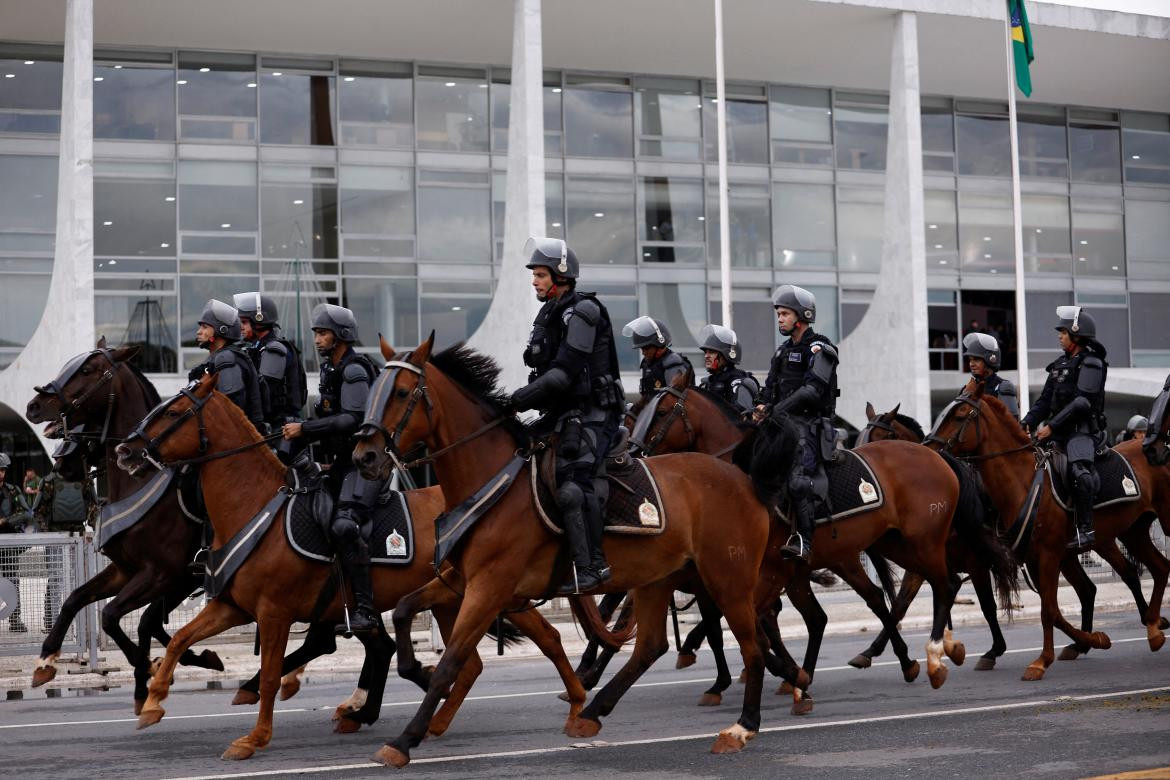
(679, 409)
(56, 388)
(976, 413)
(879, 424)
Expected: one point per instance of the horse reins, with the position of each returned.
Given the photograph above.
(957, 436)
(57, 388)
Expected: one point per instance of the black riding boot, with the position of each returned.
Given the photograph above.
(355, 558)
(799, 544)
(584, 577)
(596, 528)
(1083, 536)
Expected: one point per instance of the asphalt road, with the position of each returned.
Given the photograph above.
(1108, 712)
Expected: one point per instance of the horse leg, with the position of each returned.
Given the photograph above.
(1086, 592)
(650, 604)
(943, 587)
(138, 592)
(981, 581)
(409, 667)
(273, 640)
(371, 688)
(150, 622)
(712, 619)
(609, 603)
(548, 639)
(445, 616)
(319, 641)
(607, 653)
(742, 617)
(215, 617)
(801, 594)
(208, 659)
(1137, 541)
(907, 590)
(103, 585)
(874, 598)
(954, 649)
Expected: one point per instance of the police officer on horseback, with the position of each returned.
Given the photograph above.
(1135, 428)
(661, 366)
(721, 356)
(346, 377)
(802, 384)
(575, 383)
(982, 353)
(277, 360)
(219, 333)
(1072, 410)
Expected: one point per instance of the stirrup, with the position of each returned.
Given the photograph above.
(797, 547)
(1082, 540)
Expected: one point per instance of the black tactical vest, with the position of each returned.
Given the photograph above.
(1064, 372)
(654, 372)
(329, 402)
(787, 373)
(598, 382)
(723, 384)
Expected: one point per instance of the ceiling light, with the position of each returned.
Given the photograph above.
(1084, 242)
(986, 257)
(277, 73)
(169, 198)
(113, 262)
(29, 62)
(9, 75)
(938, 246)
(297, 202)
(348, 78)
(1136, 156)
(933, 227)
(251, 85)
(1114, 268)
(205, 70)
(556, 90)
(117, 67)
(99, 78)
(556, 224)
(107, 223)
(942, 262)
(449, 84)
(225, 224)
(599, 213)
(987, 238)
(181, 81)
(1038, 230)
(645, 254)
(456, 308)
(994, 271)
(483, 86)
(701, 219)
(164, 245)
(1082, 259)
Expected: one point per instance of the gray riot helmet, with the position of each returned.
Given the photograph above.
(260, 309)
(340, 320)
(647, 332)
(982, 345)
(800, 300)
(1137, 423)
(5, 461)
(553, 254)
(722, 340)
(223, 319)
(1076, 321)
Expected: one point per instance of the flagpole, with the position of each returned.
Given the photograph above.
(721, 139)
(1017, 221)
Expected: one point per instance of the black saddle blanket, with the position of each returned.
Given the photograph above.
(635, 506)
(1118, 482)
(853, 487)
(391, 540)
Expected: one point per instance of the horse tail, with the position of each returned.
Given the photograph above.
(585, 610)
(885, 575)
(975, 520)
(772, 455)
(503, 631)
(824, 578)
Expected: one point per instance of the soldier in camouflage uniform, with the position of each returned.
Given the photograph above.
(14, 517)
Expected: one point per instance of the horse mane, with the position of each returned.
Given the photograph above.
(479, 375)
(913, 425)
(148, 388)
(730, 412)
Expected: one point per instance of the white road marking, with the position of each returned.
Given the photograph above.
(692, 737)
(484, 697)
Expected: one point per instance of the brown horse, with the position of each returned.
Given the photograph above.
(105, 395)
(274, 585)
(714, 528)
(980, 428)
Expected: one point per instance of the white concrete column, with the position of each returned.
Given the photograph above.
(505, 328)
(66, 327)
(885, 359)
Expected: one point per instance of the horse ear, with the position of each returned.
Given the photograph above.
(123, 354)
(894, 411)
(421, 355)
(101, 342)
(387, 350)
(869, 410)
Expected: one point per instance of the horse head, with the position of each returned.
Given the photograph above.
(888, 425)
(394, 421)
(175, 430)
(975, 423)
(82, 392)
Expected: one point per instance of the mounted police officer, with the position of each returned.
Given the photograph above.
(802, 384)
(14, 519)
(984, 359)
(576, 385)
(346, 377)
(721, 356)
(277, 360)
(219, 333)
(1073, 404)
(1154, 445)
(661, 366)
(1135, 429)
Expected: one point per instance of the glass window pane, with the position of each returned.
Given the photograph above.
(376, 109)
(22, 302)
(861, 137)
(747, 130)
(134, 217)
(860, 229)
(750, 215)
(1096, 153)
(385, 306)
(552, 121)
(1047, 247)
(1150, 320)
(1042, 344)
(28, 212)
(296, 108)
(453, 316)
(454, 216)
(938, 129)
(30, 101)
(806, 230)
(1147, 148)
(827, 322)
(1098, 241)
(985, 234)
(217, 208)
(671, 123)
(298, 218)
(217, 97)
(598, 123)
(452, 113)
(683, 307)
(755, 326)
(554, 206)
(673, 209)
(601, 219)
(1147, 239)
(376, 202)
(501, 96)
(149, 318)
(133, 102)
(1043, 147)
(982, 141)
(194, 291)
(942, 223)
(801, 114)
(1113, 333)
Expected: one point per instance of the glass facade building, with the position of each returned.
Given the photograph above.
(380, 186)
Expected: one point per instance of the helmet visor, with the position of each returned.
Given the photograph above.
(643, 326)
(1072, 313)
(555, 249)
(979, 342)
(726, 336)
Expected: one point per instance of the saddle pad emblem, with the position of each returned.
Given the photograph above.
(867, 492)
(396, 545)
(1129, 486)
(648, 513)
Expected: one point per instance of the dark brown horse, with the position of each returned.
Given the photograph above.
(150, 562)
(274, 585)
(714, 528)
(980, 428)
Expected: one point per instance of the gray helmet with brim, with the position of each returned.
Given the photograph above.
(647, 332)
(722, 340)
(798, 299)
(222, 318)
(340, 320)
(553, 254)
(982, 345)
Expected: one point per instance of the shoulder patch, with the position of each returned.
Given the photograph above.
(815, 348)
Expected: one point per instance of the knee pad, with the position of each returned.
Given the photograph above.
(1085, 481)
(345, 527)
(800, 485)
(570, 496)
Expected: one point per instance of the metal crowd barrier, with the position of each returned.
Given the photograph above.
(44, 568)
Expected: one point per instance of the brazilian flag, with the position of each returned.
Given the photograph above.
(1021, 45)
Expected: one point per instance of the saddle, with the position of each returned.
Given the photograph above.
(1118, 481)
(853, 489)
(634, 506)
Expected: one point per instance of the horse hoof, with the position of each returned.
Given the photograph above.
(958, 653)
(1072, 653)
(785, 689)
(237, 753)
(1163, 624)
(244, 696)
(290, 688)
(985, 664)
(388, 756)
(861, 661)
(804, 706)
(138, 705)
(710, 700)
(150, 717)
(910, 673)
(582, 727)
(346, 726)
(684, 660)
(209, 659)
(42, 675)
(564, 696)
(1032, 674)
(732, 740)
(938, 678)
(743, 676)
(1101, 640)
(1157, 639)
